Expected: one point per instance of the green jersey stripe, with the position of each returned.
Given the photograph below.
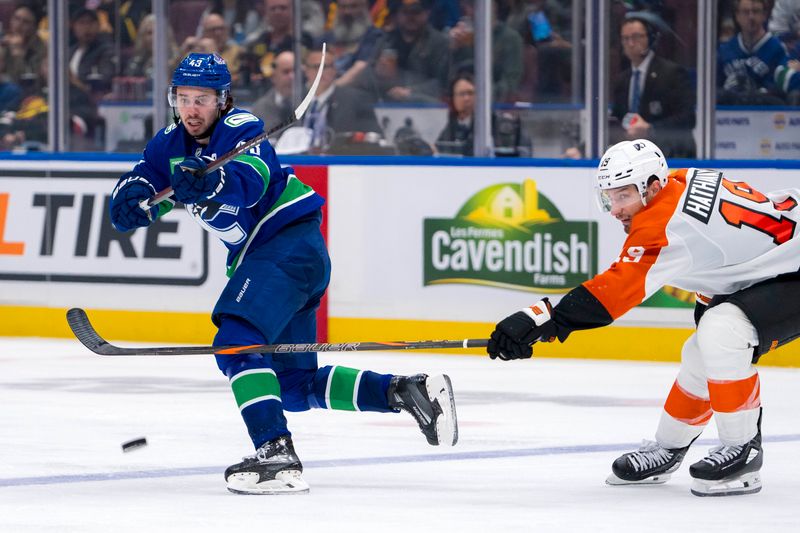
(294, 192)
(257, 164)
(254, 385)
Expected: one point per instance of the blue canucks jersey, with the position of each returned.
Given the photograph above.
(764, 66)
(258, 197)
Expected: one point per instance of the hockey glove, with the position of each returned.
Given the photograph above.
(514, 335)
(190, 187)
(126, 214)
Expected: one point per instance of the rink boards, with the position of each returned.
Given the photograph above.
(419, 251)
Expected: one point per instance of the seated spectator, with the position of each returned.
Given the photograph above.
(241, 17)
(412, 61)
(506, 52)
(141, 62)
(784, 23)
(334, 109)
(654, 98)
(23, 49)
(753, 68)
(27, 128)
(351, 39)
(91, 68)
(457, 136)
(10, 92)
(262, 48)
(214, 28)
(276, 105)
(546, 30)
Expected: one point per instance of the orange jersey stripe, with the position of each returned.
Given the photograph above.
(734, 396)
(622, 286)
(687, 407)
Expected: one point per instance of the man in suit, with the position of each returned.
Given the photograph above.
(275, 105)
(334, 109)
(654, 98)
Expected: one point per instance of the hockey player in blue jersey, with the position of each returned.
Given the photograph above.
(753, 67)
(279, 269)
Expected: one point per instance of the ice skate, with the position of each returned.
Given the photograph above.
(729, 470)
(651, 464)
(274, 469)
(430, 401)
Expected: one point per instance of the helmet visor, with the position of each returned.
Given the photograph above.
(618, 197)
(216, 99)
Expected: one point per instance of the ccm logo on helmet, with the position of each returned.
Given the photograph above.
(639, 146)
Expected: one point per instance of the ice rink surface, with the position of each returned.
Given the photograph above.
(537, 439)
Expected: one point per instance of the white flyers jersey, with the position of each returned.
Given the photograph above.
(705, 233)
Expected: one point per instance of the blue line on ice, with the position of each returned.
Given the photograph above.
(358, 461)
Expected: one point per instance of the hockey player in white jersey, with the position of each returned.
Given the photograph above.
(701, 231)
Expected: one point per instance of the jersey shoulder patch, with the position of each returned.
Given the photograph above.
(236, 119)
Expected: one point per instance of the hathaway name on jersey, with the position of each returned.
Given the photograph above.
(702, 233)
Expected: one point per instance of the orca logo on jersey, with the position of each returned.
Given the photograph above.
(701, 194)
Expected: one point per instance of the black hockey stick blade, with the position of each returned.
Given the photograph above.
(80, 325)
(227, 157)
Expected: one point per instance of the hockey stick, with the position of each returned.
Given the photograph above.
(82, 328)
(227, 157)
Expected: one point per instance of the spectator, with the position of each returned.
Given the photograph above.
(784, 23)
(411, 62)
(352, 39)
(457, 136)
(241, 16)
(276, 105)
(10, 92)
(141, 62)
(506, 52)
(262, 48)
(546, 30)
(91, 68)
(24, 51)
(334, 109)
(214, 28)
(654, 98)
(753, 68)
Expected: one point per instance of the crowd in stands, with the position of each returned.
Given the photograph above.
(395, 52)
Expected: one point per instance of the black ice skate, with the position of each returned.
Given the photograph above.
(649, 465)
(729, 470)
(274, 469)
(430, 401)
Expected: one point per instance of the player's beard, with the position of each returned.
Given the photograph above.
(350, 32)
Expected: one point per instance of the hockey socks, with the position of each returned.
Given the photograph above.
(350, 389)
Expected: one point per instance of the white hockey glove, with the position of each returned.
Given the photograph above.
(514, 336)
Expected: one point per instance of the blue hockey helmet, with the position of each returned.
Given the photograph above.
(202, 70)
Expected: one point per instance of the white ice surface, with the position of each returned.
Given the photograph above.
(537, 439)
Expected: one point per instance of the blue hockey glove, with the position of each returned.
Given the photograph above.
(125, 211)
(191, 188)
(514, 336)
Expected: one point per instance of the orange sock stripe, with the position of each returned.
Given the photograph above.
(686, 407)
(736, 395)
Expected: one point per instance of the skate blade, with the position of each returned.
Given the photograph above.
(652, 480)
(440, 390)
(286, 482)
(749, 483)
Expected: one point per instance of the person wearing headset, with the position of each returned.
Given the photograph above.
(654, 98)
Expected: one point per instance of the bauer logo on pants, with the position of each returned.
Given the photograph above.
(509, 235)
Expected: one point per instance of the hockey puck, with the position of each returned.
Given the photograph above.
(134, 444)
